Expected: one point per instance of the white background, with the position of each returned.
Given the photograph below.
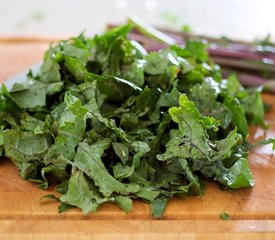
(242, 19)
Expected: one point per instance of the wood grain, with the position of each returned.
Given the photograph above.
(16, 57)
(24, 216)
(134, 229)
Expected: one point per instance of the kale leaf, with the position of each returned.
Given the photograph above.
(109, 122)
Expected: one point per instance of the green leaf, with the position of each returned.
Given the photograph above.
(102, 43)
(267, 141)
(50, 196)
(80, 53)
(25, 145)
(121, 151)
(76, 68)
(25, 149)
(50, 69)
(88, 159)
(205, 98)
(193, 125)
(79, 194)
(116, 89)
(254, 108)
(72, 122)
(125, 203)
(197, 50)
(44, 184)
(7, 103)
(62, 187)
(141, 148)
(224, 146)
(193, 188)
(225, 216)
(63, 207)
(238, 115)
(155, 64)
(158, 206)
(238, 176)
(31, 124)
(233, 86)
(31, 97)
(70, 127)
(148, 193)
(134, 73)
(94, 112)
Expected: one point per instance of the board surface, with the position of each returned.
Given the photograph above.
(22, 213)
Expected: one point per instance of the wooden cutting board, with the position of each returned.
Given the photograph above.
(24, 216)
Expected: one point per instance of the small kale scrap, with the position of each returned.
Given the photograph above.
(108, 121)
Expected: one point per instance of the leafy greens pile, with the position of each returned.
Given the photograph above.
(109, 122)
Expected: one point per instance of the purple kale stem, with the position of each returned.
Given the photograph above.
(208, 38)
(249, 80)
(224, 52)
(231, 44)
(244, 64)
(214, 50)
(267, 55)
(244, 56)
(222, 57)
(233, 48)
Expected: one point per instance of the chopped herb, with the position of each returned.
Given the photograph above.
(108, 122)
(225, 216)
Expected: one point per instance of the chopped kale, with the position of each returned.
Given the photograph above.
(108, 122)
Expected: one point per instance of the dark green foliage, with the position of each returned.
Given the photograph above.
(109, 123)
